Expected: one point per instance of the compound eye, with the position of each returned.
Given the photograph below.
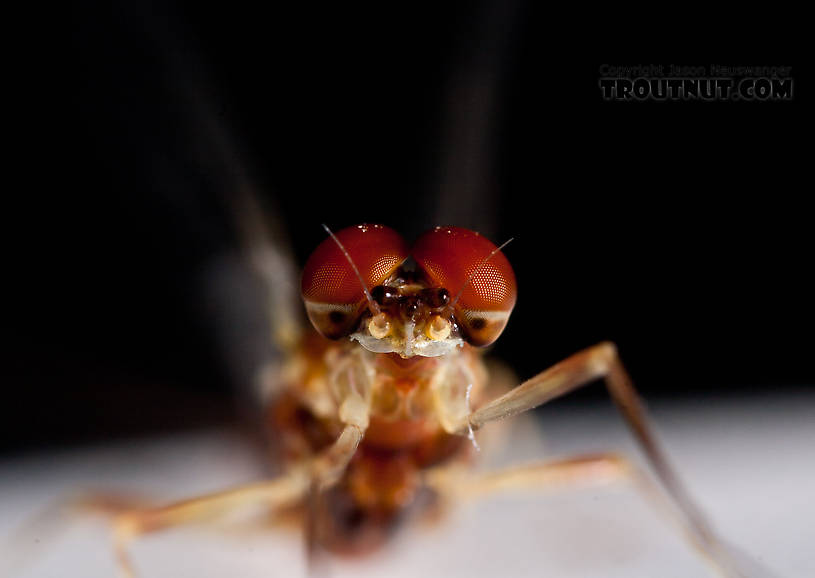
(331, 290)
(459, 260)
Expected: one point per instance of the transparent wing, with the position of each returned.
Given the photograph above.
(250, 286)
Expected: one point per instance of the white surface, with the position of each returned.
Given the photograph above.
(749, 464)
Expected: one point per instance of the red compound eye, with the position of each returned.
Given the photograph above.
(459, 260)
(331, 290)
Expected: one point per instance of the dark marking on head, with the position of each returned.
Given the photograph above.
(384, 295)
(411, 306)
(436, 298)
(442, 297)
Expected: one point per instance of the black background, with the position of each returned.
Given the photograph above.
(679, 229)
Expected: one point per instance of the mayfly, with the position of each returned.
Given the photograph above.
(383, 401)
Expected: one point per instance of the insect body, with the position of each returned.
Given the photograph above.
(408, 371)
(381, 404)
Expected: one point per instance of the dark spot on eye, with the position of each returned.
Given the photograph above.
(478, 323)
(336, 317)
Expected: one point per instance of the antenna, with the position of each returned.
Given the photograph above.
(372, 305)
(484, 262)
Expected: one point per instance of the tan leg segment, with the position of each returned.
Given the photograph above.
(569, 473)
(578, 471)
(323, 471)
(602, 361)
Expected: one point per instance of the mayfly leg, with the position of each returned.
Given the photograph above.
(321, 472)
(570, 473)
(587, 366)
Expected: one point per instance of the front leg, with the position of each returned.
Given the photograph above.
(305, 481)
(602, 361)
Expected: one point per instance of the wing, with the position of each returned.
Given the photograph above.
(250, 282)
